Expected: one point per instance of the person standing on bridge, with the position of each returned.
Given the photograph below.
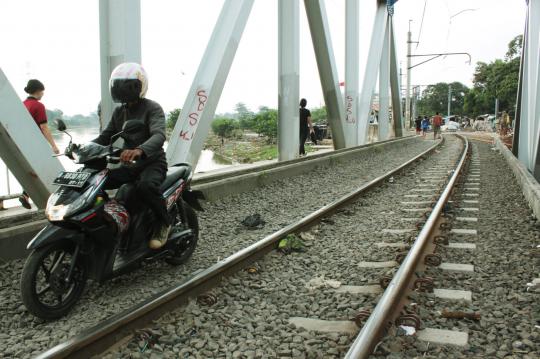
(306, 126)
(437, 123)
(425, 126)
(35, 91)
(418, 124)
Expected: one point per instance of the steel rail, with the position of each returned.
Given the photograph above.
(374, 327)
(103, 335)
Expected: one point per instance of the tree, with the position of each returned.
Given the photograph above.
(435, 99)
(244, 116)
(514, 48)
(172, 118)
(319, 114)
(496, 80)
(266, 123)
(224, 127)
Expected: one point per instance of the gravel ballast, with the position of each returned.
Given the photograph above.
(250, 318)
(505, 260)
(221, 235)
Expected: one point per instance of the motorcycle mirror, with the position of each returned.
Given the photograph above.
(132, 126)
(60, 124)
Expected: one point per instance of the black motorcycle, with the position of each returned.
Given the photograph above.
(94, 235)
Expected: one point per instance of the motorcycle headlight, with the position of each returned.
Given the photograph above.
(57, 212)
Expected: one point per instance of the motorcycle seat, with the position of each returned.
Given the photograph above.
(174, 173)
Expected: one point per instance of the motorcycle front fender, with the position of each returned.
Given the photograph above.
(52, 233)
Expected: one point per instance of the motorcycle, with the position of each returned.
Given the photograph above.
(94, 235)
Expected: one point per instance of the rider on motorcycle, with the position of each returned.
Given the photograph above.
(128, 85)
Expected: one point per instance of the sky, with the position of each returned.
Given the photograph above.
(58, 43)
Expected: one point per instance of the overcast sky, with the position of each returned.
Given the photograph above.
(58, 43)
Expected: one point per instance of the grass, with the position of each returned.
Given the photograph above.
(245, 149)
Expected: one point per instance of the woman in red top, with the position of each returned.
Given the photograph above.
(35, 90)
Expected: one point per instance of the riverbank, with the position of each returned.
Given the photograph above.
(248, 148)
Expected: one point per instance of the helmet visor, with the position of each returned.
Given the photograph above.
(126, 90)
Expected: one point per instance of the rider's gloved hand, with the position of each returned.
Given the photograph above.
(128, 156)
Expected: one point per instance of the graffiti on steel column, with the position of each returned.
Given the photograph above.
(349, 105)
(193, 117)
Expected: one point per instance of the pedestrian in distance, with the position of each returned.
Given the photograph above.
(418, 125)
(437, 123)
(35, 90)
(425, 126)
(306, 126)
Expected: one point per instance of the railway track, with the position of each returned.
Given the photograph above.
(279, 202)
(120, 328)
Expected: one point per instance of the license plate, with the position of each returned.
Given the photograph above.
(72, 179)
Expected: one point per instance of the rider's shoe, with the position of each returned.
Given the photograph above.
(24, 201)
(160, 238)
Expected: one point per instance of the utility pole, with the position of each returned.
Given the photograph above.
(408, 90)
(449, 99)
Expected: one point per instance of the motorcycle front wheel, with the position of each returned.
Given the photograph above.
(44, 289)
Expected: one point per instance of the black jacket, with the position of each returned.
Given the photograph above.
(150, 140)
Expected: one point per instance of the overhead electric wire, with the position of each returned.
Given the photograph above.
(421, 24)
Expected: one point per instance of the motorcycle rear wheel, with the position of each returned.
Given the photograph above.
(186, 249)
(44, 291)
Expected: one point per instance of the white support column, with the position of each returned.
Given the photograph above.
(289, 74)
(352, 74)
(322, 44)
(530, 92)
(191, 130)
(395, 85)
(384, 91)
(120, 41)
(534, 87)
(371, 71)
(23, 148)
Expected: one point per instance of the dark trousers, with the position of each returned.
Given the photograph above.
(148, 180)
(303, 138)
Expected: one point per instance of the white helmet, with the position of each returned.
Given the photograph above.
(128, 82)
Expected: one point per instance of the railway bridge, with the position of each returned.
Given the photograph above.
(389, 244)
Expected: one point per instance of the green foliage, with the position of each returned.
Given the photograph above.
(318, 114)
(172, 118)
(224, 127)
(514, 48)
(435, 99)
(245, 116)
(266, 122)
(497, 79)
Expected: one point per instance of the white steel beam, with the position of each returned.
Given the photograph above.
(534, 86)
(371, 71)
(192, 128)
(289, 75)
(119, 41)
(324, 53)
(23, 148)
(523, 147)
(352, 36)
(384, 91)
(395, 86)
(529, 87)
